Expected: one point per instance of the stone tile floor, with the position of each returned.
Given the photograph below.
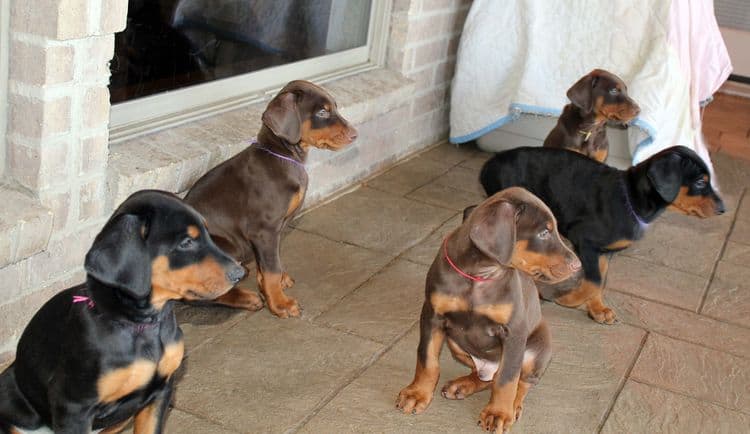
(678, 361)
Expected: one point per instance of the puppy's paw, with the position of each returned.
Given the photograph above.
(495, 420)
(603, 316)
(286, 308)
(286, 281)
(413, 399)
(462, 387)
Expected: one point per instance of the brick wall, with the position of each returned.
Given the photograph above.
(60, 162)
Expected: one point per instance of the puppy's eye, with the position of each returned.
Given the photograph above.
(700, 184)
(323, 114)
(186, 244)
(544, 234)
(614, 91)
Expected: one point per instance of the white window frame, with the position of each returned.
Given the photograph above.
(151, 113)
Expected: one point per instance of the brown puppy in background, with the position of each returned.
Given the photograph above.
(249, 199)
(596, 98)
(480, 297)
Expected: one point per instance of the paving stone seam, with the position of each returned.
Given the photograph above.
(358, 373)
(399, 256)
(676, 338)
(702, 304)
(423, 202)
(720, 320)
(685, 395)
(197, 416)
(622, 383)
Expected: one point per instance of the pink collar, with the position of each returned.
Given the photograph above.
(84, 299)
(458, 270)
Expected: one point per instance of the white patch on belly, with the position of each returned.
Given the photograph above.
(485, 368)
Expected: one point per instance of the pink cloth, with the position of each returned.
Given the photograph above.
(704, 59)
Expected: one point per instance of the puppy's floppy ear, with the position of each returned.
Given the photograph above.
(467, 211)
(283, 118)
(581, 93)
(494, 231)
(119, 257)
(665, 175)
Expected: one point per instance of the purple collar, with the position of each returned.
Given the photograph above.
(643, 224)
(254, 142)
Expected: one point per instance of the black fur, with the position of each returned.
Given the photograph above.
(68, 346)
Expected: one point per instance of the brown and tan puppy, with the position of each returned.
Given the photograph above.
(249, 199)
(480, 298)
(596, 98)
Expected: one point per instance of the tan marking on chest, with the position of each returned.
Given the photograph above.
(171, 359)
(442, 303)
(123, 381)
(295, 202)
(619, 244)
(500, 313)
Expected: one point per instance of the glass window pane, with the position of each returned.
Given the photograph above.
(169, 44)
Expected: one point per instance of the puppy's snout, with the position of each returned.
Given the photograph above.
(720, 209)
(235, 273)
(352, 134)
(575, 264)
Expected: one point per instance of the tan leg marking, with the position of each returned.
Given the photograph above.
(295, 202)
(523, 389)
(272, 287)
(417, 396)
(619, 245)
(121, 382)
(146, 419)
(171, 359)
(499, 413)
(241, 298)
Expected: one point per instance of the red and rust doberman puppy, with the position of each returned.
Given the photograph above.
(100, 353)
(481, 299)
(596, 98)
(249, 199)
(601, 209)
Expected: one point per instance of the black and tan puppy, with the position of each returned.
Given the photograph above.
(100, 353)
(601, 209)
(596, 98)
(481, 300)
(249, 199)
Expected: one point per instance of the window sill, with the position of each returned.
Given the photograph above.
(173, 159)
(25, 227)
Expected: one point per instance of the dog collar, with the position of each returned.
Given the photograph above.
(138, 327)
(585, 134)
(254, 142)
(458, 270)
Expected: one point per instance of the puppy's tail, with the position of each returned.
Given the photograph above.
(489, 176)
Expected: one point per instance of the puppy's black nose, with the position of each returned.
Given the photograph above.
(235, 273)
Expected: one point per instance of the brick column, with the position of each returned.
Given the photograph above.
(422, 46)
(58, 111)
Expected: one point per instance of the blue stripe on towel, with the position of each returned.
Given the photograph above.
(515, 110)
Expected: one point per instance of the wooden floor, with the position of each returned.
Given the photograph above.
(726, 125)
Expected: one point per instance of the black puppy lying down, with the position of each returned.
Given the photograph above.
(601, 209)
(97, 354)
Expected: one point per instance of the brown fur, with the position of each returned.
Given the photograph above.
(267, 191)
